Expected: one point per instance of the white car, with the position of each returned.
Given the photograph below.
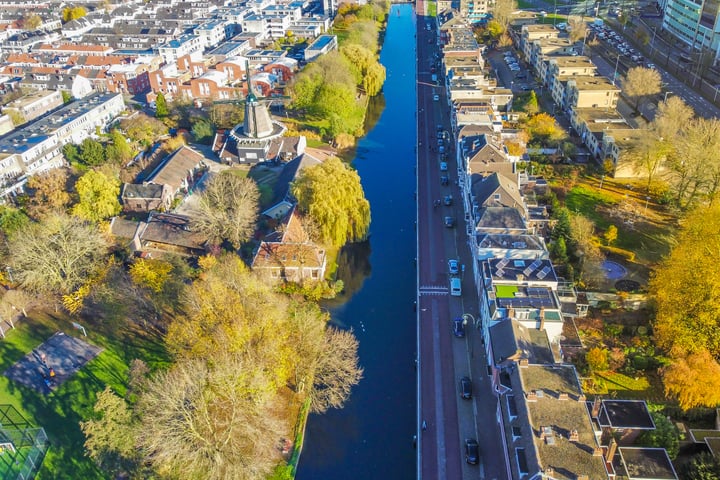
(514, 68)
(436, 97)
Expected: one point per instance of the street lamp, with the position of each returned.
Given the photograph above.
(602, 178)
(647, 199)
(617, 63)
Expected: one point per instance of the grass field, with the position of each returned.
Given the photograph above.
(645, 387)
(650, 236)
(60, 412)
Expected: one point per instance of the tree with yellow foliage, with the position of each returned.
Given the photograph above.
(151, 273)
(694, 381)
(686, 288)
(72, 13)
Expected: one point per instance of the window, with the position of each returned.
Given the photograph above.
(516, 433)
(521, 461)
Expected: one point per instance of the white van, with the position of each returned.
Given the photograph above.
(455, 287)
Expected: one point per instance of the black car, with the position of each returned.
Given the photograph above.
(448, 200)
(472, 451)
(444, 180)
(450, 222)
(458, 328)
(466, 388)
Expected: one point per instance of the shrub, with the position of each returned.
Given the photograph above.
(597, 359)
(625, 254)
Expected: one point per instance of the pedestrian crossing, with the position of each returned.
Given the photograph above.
(434, 290)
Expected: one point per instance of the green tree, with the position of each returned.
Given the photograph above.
(202, 130)
(98, 192)
(12, 219)
(665, 435)
(532, 106)
(57, 254)
(118, 151)
(110, 434)
(228, 208)
(332, 196)
(610, 235)
(71, 153)
(92, 152)
(597, 359)
(16, 117)
(161, 108)
(559, 250)
(702, 467)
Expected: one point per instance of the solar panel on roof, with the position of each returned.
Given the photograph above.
(500, 272)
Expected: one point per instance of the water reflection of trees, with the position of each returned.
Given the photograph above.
(353, 268)
(376, 105)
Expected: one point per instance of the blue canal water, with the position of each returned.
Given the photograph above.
(371, 437)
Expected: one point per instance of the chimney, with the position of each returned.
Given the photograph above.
(523, 362)
(541, 316)
(532, 397)
(511, 312)
(549, 472)
(520, 278)
(596, 408)
(581, 398)
(611, 450)
(574, 436)
(597, 452)
(563, 396)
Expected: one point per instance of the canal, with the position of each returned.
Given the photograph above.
(371, 437)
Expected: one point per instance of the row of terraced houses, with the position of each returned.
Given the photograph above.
(550, 428)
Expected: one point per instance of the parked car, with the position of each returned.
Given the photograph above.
(466, 388)
(472, 451)
(449, 222)
(444, 180)
(453, 266)
(458, 328)
(443, 167)
(514, 68)
(436, 97)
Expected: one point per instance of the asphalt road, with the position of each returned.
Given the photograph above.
(444, 359)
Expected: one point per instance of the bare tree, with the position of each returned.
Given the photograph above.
(649, 153)
(336, 370)
(56, 255)
(502, 12)
(700, 143)
(211, 419)
(577, 28)
(673, 115)
(228, 208)
(13, 303)
(639, 83)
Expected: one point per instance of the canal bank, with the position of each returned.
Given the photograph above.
(371, 437)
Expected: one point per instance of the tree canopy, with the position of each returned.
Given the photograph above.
(640, 82)
(56, 255)
(332, 196)
(98, 193)
(228, 208)
(685, 288)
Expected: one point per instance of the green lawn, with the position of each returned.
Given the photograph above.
(432, 9)
(649, 240)
(641, 387)
(60, 412)
(505, 291)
